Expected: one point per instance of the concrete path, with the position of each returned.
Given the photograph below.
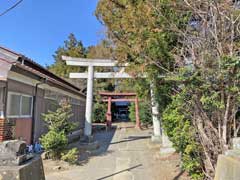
(125, 154)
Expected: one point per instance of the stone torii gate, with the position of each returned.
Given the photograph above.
(90, 75)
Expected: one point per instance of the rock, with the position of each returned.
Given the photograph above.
(57, 168)
(16, 164)
(12, 153)
(45, 155)
(236, 143)
(30, 170)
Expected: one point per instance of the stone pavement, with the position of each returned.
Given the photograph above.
(125, 154)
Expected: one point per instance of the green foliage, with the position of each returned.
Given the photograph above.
(72, 47)
(157, 38)
(140, 34)
(178, 127)
(201, 104)
(54, 142)
(144, 113)
(71, 156)
(60, 119)
(99, 112)
(102, 50)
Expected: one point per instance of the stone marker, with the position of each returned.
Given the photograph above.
(166, 146)
(12, 153)
(236, 143)
(228, 165)
(15, 164)
(227, 168)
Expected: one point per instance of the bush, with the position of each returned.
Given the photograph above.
(71, 156)
(99, 112)
(180, 131)
(54, 142)
(59, 120)
(145, 113)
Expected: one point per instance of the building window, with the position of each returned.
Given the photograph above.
(19, 105)
(26, 109)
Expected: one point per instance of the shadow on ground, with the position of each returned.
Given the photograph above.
(119, 172)
(179, 175)
(103, 137)
(132, 138)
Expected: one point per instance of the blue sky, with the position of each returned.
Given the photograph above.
(36, 28)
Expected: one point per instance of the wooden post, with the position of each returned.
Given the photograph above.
(138, 124)
(109, 112)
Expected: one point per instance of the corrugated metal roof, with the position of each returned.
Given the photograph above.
(29, 65)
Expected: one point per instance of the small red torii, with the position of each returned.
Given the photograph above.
(120, 97)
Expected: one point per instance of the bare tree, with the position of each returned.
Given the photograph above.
(210, 45)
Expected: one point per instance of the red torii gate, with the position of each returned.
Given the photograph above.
(120, 97)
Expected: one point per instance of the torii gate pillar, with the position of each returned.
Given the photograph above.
(89, 103)
(157, 134)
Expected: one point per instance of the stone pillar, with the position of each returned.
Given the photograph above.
(138, 124)
(89, 103)
(155, 117)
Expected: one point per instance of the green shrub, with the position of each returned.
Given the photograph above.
(99, 112)
(59, 124)
(145, 113)
(59, 120)
(71, 156)
(54, 142)
(177, 126)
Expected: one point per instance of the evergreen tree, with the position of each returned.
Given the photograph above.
(72, 47)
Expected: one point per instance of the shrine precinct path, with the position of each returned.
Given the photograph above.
(125, 153)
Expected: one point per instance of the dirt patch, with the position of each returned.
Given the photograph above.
(168, 168)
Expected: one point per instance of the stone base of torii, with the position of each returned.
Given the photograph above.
(158, 136)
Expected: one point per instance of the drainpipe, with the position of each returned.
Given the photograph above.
(5, 97)
(34, 108)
